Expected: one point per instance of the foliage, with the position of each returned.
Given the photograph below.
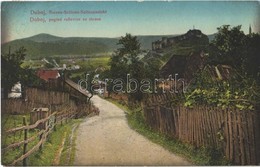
(11, 69)
(12, 72)
(237, 92)
(227, 46)
(89, 65)
(126, 61)
(251, 62)
(230, 47)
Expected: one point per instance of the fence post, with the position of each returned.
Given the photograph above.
(61, 120)
(40, 148)
(66, 118)
(25, 143)
(55, 121)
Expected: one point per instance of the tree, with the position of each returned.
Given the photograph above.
(227, 47)
(126, 61)
(251, 62)
(13, 73)
(131, 47)
(11, 69)
(232, 47)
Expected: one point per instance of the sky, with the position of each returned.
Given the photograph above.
(18, 19)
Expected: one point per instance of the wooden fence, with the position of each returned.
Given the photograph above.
(234, 131)
(48, 124)
(35, 98)
(36, 95)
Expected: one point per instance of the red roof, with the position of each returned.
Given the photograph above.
(48, 74)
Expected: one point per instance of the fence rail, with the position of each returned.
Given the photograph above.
(234, 131)
(42, 134)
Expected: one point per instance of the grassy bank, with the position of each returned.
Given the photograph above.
(50, 152)
(53, 152)
(198, 156)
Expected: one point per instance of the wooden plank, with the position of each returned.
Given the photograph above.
(13, 145)
(252, 138)
(257, 133)
(193, 124)
(30, 126)
(209, 131)
(192, 129)
(236, 138)
(246, 130)
(197, 132)
(231, 138)
(205, 127)
(186, 124)
(175, 121)
(198, 126)
(227, 134)
(180, 123)
(241, 139)
(212, 125)
(201, 125)
(25, 139)
(35, 148)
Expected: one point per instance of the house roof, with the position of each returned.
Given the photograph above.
(48, 74)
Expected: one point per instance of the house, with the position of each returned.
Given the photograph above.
(46, 75)
(187, 66)
(182, 68)
(184, 65)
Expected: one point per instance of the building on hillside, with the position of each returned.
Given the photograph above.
(192, 35)
(186, 68)
(183, 65)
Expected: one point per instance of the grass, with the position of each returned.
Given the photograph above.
(69, 150)
(49, 152)
(12, 121)
(197, 156)
(90, 64)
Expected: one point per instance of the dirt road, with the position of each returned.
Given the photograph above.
(108, 140)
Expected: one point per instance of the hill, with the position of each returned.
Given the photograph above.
(46, 45)
(44, 38)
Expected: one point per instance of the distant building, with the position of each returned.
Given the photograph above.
(171, 41)
(16, 91)
(48, 74)
(75, 67)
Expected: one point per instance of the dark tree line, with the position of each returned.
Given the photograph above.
(12, 72)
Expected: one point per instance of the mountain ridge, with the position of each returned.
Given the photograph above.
(46, 45)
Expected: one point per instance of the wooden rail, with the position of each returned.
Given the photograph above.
(43, 134)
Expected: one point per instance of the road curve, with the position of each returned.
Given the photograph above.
(108, 140)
